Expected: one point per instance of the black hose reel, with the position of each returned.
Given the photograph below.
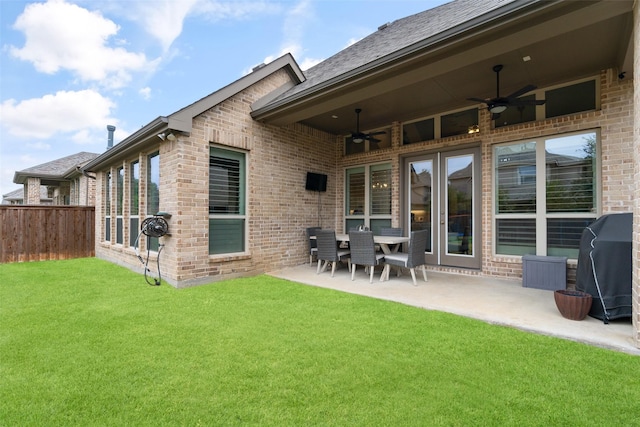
(154, 226)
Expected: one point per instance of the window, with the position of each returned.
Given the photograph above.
(107, 208)
(419, 131)
(153, 193)
(458, 123)
(119, 207)
(377, 142)
(441, 126)
(571, 99)
(134, 202)
(368, 197)
(545, 194)
(227, 201)
(559, 101)
(515, 115)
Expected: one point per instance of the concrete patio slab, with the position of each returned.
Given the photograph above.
(495, 301)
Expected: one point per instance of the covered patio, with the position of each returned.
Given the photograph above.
(492, 300)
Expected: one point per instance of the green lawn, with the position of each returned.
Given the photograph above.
(85, 342)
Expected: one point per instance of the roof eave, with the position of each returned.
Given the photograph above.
(133, 143)
(272, 110)
(182, 120)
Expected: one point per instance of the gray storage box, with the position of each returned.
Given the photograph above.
(544, 272)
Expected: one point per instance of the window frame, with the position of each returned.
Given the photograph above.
(437, 124)
(541, 215)
(120, 180)
(107, 207)
(134, 201)
(153, 243)
(367, 218)
(366, 144)
(540, 111)
(242, 203)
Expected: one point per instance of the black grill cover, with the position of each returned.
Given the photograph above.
(604, 266)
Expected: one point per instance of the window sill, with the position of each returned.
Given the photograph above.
(229, 257)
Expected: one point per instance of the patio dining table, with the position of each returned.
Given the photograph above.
(388, 244)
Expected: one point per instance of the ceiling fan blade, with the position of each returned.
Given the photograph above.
(523, 102)
(522, 91)
(380, 132)
(484, 101)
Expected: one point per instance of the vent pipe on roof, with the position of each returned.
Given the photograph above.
(111, 129)
(257, 67)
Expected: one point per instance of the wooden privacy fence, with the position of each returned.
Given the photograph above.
(38, 233)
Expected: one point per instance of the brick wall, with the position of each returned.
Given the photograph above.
(614, 119)
(279, 207)
(32, 191)
(636, 191)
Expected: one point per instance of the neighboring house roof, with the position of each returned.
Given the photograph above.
(55, 171)
(182, 119)
(18, 195)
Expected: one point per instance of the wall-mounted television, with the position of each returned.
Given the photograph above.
(316, 182)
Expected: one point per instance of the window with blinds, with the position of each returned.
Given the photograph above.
(545, 194)
(368, 197)
(380, 190)
(227, 195)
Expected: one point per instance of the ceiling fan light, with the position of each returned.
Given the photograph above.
(358, 140)
(497, 109)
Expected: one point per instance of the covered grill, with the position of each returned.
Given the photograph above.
(604, 266)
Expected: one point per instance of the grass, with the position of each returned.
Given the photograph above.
(85, 342)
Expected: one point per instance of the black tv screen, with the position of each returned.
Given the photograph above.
(316, 182)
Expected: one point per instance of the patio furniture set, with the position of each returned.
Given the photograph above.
(362, 247)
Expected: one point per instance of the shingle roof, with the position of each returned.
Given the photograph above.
(395, 36)
(59, 166)
(19, 195)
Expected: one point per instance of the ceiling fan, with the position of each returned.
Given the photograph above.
(498, 104)
(359, 137)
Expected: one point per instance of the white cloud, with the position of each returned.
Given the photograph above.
(64, 36)
(58, 114)
(164, 19)
(294, 28)
(39, 146)
(145, 92)
(308, 63)
(215, 10)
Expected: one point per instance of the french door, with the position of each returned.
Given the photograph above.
(443, 196)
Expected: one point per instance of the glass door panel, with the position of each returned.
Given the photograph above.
(443, 196)
(460, 198)
(422, 198)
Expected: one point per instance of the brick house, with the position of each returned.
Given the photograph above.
(63, 179)
(509, 177)
(16, 197)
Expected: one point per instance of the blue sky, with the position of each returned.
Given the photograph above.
(69, 68)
